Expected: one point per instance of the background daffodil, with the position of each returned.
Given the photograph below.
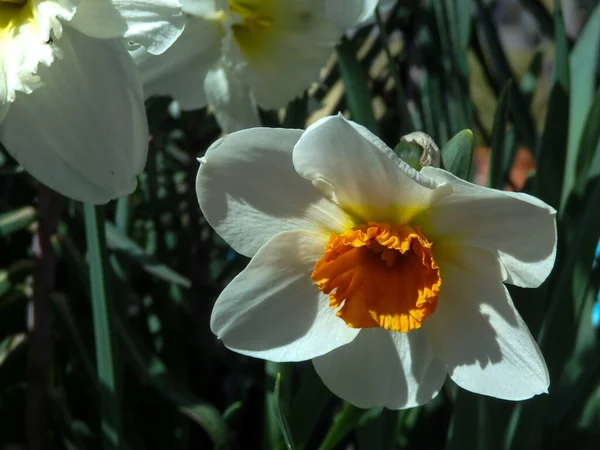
(71, 103)
(387, 278)
(237, 55)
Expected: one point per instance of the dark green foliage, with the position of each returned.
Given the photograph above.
(124, 292)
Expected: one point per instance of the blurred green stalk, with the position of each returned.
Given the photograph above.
(273, 434)
(104, 330)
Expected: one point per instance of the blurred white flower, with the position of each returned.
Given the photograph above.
(387, 278)
(71, 102)
(237, 54)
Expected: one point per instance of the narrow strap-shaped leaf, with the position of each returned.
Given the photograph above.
(281, 420)
(557, 334)
(553, 143)
(342, 426)
(454, 84)
(378, 433)
(356, 84)
(150, 367)
(296, 113)
(590, 139)
(543, 17)
(16, 220)
(410, 119)
(273, 370)
(495, 172)
(119, 242)
(583, 77)
(463, 11)
(307, 406)
(102, 309)
(470, 425)
(74, 337)
(519, 107)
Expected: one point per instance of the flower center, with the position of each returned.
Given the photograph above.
(14, 13)
(254, 30)
(382, 275)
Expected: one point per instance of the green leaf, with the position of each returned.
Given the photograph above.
(13, 359)
(151, 368)
(70, 328)
(582, 370)
(120, 243)
(583, 77)
(457, 154)
(454, 82)
(497, 148)
(281, 421)
(16, 273)
(379, 432)
(553, 143)
(431, 104)
(103, 312)
(464, 13)
(557, 337)
(296, 113)
(590, 139)
(16, 220)
(272, 437)
(530, 79)
(308, 405)
(519, 106)
(408, 119)
(356, 84)
(509, 151)
(343, 425)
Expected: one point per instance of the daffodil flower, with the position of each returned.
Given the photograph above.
(387, 278)
(237, 54)
(71, 101)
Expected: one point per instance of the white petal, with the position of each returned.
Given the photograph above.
(25, 47)
(249, 191)
(84, 133)
(179, 72)
(155, 24)
(361, 174)
(273, 310)
(518, 228)
(202, 7)
(299, 44)
(477, 332)
(348, 13)
(234, 105)
(383, 369)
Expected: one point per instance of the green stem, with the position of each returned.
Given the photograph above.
(272, 433)
(102, 310)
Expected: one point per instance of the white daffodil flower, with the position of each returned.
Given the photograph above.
(237, 54)
(71, 102)
(387, 278)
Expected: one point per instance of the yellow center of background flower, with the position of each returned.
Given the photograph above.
(383, 276)
(256, 27)
(14, 13)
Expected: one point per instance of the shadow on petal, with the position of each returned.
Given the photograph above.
(368, 372)
(426, 368)
(255, 170)
(475, 275)
(274, 310)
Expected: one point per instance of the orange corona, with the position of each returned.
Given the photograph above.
(381, 275)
